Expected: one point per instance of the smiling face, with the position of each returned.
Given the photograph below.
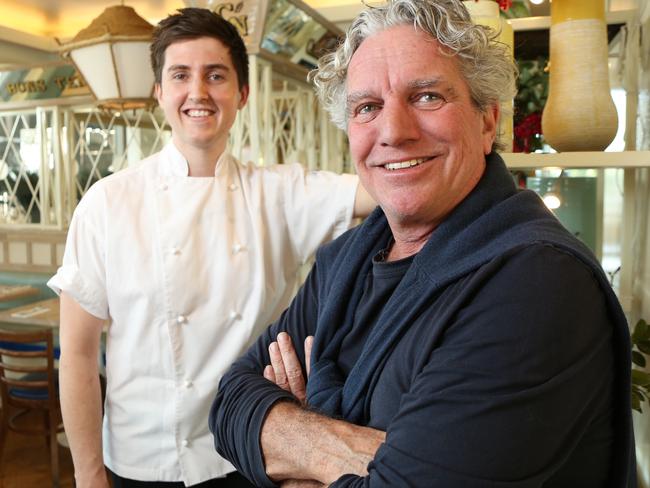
(418, 142)
(200, 95)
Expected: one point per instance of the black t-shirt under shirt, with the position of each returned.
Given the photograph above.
(379, 286)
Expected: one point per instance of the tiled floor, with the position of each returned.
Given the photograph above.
(25, 462)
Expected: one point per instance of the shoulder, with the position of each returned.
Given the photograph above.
(358, 240)
(536, 308)
(543, 273)
(329, 251)
(146, 168)
(290, 174)
(540, 262)
(270, 173)
(119, 187)
(541, 293)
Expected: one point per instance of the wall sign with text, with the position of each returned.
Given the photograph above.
(41, 83)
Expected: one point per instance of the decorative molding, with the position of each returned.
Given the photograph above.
(31, 251)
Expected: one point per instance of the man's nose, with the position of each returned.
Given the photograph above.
(397, 124)
(198, 89)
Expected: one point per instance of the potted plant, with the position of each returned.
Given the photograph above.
(640, 379)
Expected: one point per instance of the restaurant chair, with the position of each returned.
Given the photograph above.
(29, 382)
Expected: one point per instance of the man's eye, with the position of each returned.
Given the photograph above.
(179, 76)
(366, 108)
(430, 99)
(215, 77)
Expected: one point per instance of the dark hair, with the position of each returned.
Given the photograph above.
(192, 23)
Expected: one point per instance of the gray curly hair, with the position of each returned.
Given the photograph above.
(485, 63)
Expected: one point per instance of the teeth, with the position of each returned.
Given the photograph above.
(198, 113)
(404, 164)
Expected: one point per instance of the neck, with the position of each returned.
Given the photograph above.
(408, 240)
(201, 161)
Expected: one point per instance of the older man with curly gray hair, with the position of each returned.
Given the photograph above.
(460, 337)
(484, 63)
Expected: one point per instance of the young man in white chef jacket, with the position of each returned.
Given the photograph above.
(189, 254)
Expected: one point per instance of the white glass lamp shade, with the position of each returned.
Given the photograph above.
(112, 54)
(116, 70)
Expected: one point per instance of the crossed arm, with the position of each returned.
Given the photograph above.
(469, 412)
(301, 448)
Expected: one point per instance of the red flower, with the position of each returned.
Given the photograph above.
(505, 4)
(526, 130)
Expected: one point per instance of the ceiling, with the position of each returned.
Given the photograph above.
(64, 18)
(28, 28)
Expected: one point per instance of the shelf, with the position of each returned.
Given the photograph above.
(544, 23)
(590, 159)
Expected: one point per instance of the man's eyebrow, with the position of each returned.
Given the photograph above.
(438, 83)
(425, 83)
(207, 67)
(354, 97)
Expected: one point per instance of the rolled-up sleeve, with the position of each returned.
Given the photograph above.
(82, 274)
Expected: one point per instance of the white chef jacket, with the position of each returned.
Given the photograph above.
(189, 271)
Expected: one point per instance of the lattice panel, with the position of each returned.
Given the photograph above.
(104, 143)
(283, 120)
(27, 152)
(283, 123)
(50, 157)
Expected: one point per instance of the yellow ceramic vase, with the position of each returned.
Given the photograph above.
(580, 114)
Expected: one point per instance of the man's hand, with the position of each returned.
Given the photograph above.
(285, 369)
(303, 449)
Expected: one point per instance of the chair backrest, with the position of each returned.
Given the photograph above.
(27, 375)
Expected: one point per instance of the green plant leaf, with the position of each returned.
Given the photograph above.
(636, 401)
(638, 359)
(641, 332)
(517, 9)
(644, 347)
(640, 378)
(636, 391)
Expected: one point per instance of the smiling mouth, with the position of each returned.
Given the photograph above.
(198, 112)
(405, 164)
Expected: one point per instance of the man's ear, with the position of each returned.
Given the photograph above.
(157, 90)
(491, 117)
(243, 96)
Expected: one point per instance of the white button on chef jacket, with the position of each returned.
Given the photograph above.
(188, 314)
